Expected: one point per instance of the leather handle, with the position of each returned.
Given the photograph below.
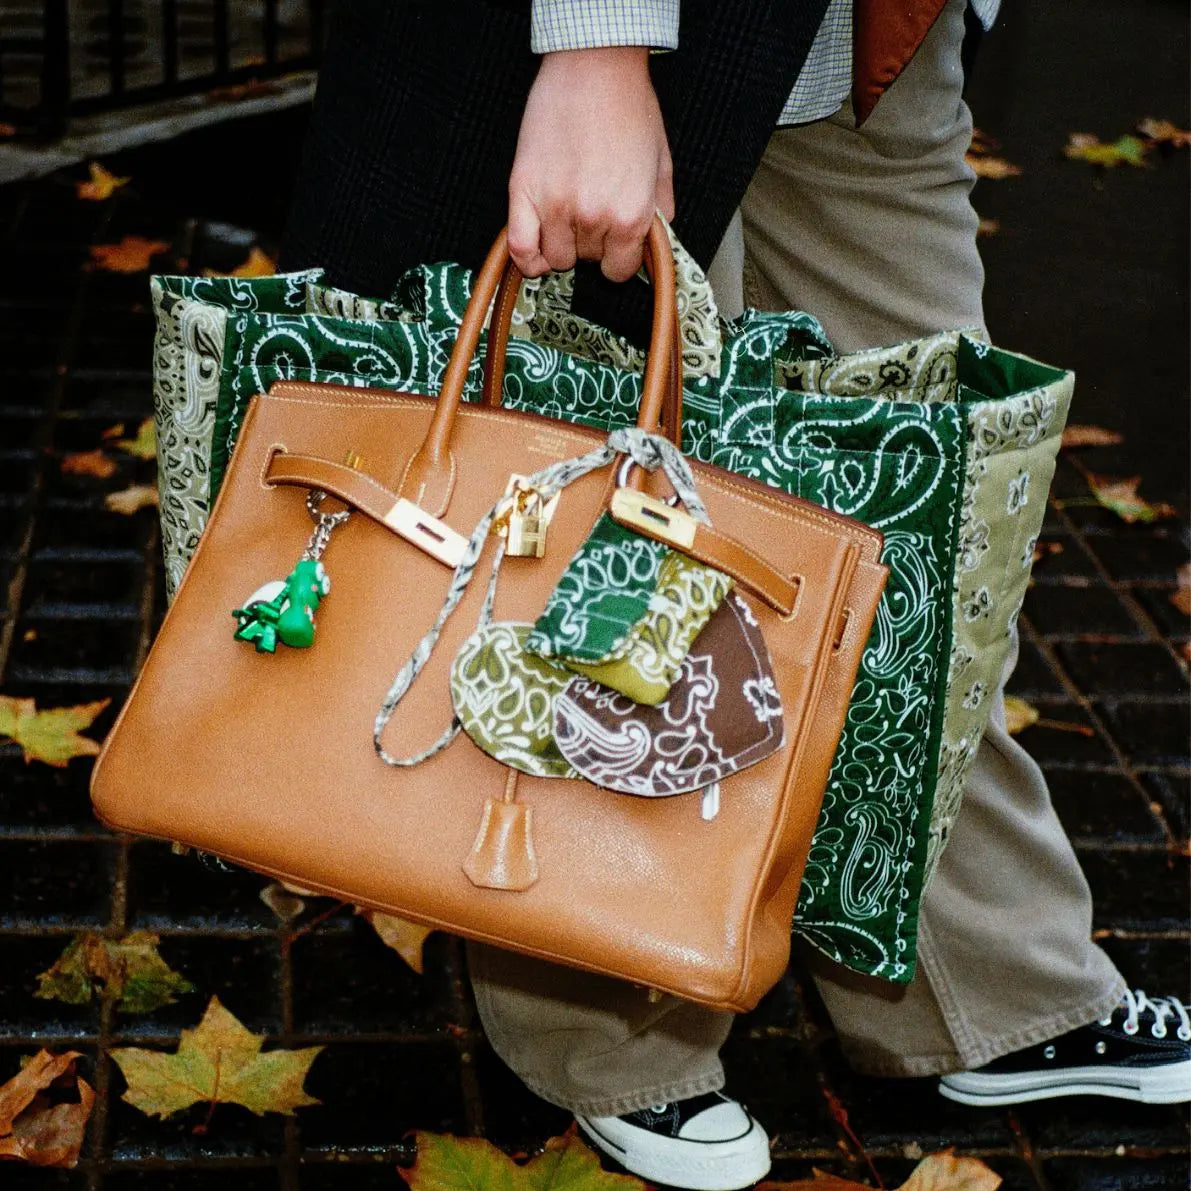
(499, 329)
(430, 475)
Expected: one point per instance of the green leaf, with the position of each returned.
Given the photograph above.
(127, 971)
(448, 1163)
(51, 735)
(1125, 150)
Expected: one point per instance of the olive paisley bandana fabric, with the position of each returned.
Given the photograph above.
(945, 444)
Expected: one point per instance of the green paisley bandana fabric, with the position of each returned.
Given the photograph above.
(946, 444)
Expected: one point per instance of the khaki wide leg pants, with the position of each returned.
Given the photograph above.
(871, 230)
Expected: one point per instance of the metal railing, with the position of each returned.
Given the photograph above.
(64, 59)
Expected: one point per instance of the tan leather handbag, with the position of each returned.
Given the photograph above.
(269, 760)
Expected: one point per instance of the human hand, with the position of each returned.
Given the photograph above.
(592, 164)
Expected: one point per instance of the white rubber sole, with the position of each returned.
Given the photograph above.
(693, 1165)
(1170, 1084)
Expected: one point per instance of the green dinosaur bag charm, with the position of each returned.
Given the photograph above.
(283, 609)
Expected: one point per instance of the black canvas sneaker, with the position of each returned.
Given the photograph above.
(1140, 1051)
(706, 1143)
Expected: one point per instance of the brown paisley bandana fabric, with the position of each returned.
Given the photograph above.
(723, 713)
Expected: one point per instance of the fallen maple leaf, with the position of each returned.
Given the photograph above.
(285, 904)
(127, 971)
(1121, 497)
(1019, 715)
(131, 255)
(144, 446)
(102, 185)
(88, 463)
(131, 500)
(51, 735)
(406, 938)
(1125, 150)
(258, 264)
(1164, 132)
(936, 1172)
(448, 1163)
(220, 1061)
(33, 1128)
(1089, 436)
(988, 227)
(1181, 596)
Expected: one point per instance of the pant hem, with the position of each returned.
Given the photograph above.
(1041, 1031)
(615, 1106)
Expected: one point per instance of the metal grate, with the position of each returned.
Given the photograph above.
(63, 59)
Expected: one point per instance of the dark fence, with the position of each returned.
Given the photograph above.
(61, 59)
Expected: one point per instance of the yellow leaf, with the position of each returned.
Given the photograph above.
(88, 463)
(258, 264)
(102, 185)
(406, 938)
(131, 255)
(1121, 497)
(995, 168)
(448, 1163)
(32, 1128)
(1125, 150)
(1089, 436)
(936, 1172)
(1019, 715)
(1165, 132)
(220, 1061)
(52, 735)
(144, 446)
(131, 500)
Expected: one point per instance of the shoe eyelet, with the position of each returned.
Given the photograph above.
(1155, 1032)
(1101, 1048)
(1130, 1027)
(1105, 1021)
(1184, 1035)
(1049, 1052)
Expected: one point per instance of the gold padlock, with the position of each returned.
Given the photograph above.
(528, 520)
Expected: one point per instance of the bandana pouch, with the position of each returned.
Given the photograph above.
(626, 612)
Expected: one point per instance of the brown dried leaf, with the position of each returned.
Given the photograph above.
(1121, 497)
(7, 130)
(33, 1128)
(1019, 715)
(130, 255)
(1164, 132)
(51, 735)
(131, 500)
(1181, 596)
(1125, 150)
(406, 938)
(102, 185)
(88, 463)
(1046, 549)
(1089, 436)
(286, 905)
(988, 227)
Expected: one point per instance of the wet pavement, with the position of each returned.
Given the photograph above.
(1087, 270)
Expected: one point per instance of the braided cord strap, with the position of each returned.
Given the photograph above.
(650, 451)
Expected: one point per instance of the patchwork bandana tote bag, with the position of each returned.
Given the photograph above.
(945, 444)
(382, 675)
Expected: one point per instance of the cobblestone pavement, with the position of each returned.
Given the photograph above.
(80, 594)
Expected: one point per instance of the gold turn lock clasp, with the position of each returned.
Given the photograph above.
(655, 518)
(523, 524)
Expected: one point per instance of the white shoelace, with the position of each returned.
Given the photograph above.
(1163, 1008)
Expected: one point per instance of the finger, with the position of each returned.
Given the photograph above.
(558, 239)
(590, 234)
(525, 236)
(624, 248)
